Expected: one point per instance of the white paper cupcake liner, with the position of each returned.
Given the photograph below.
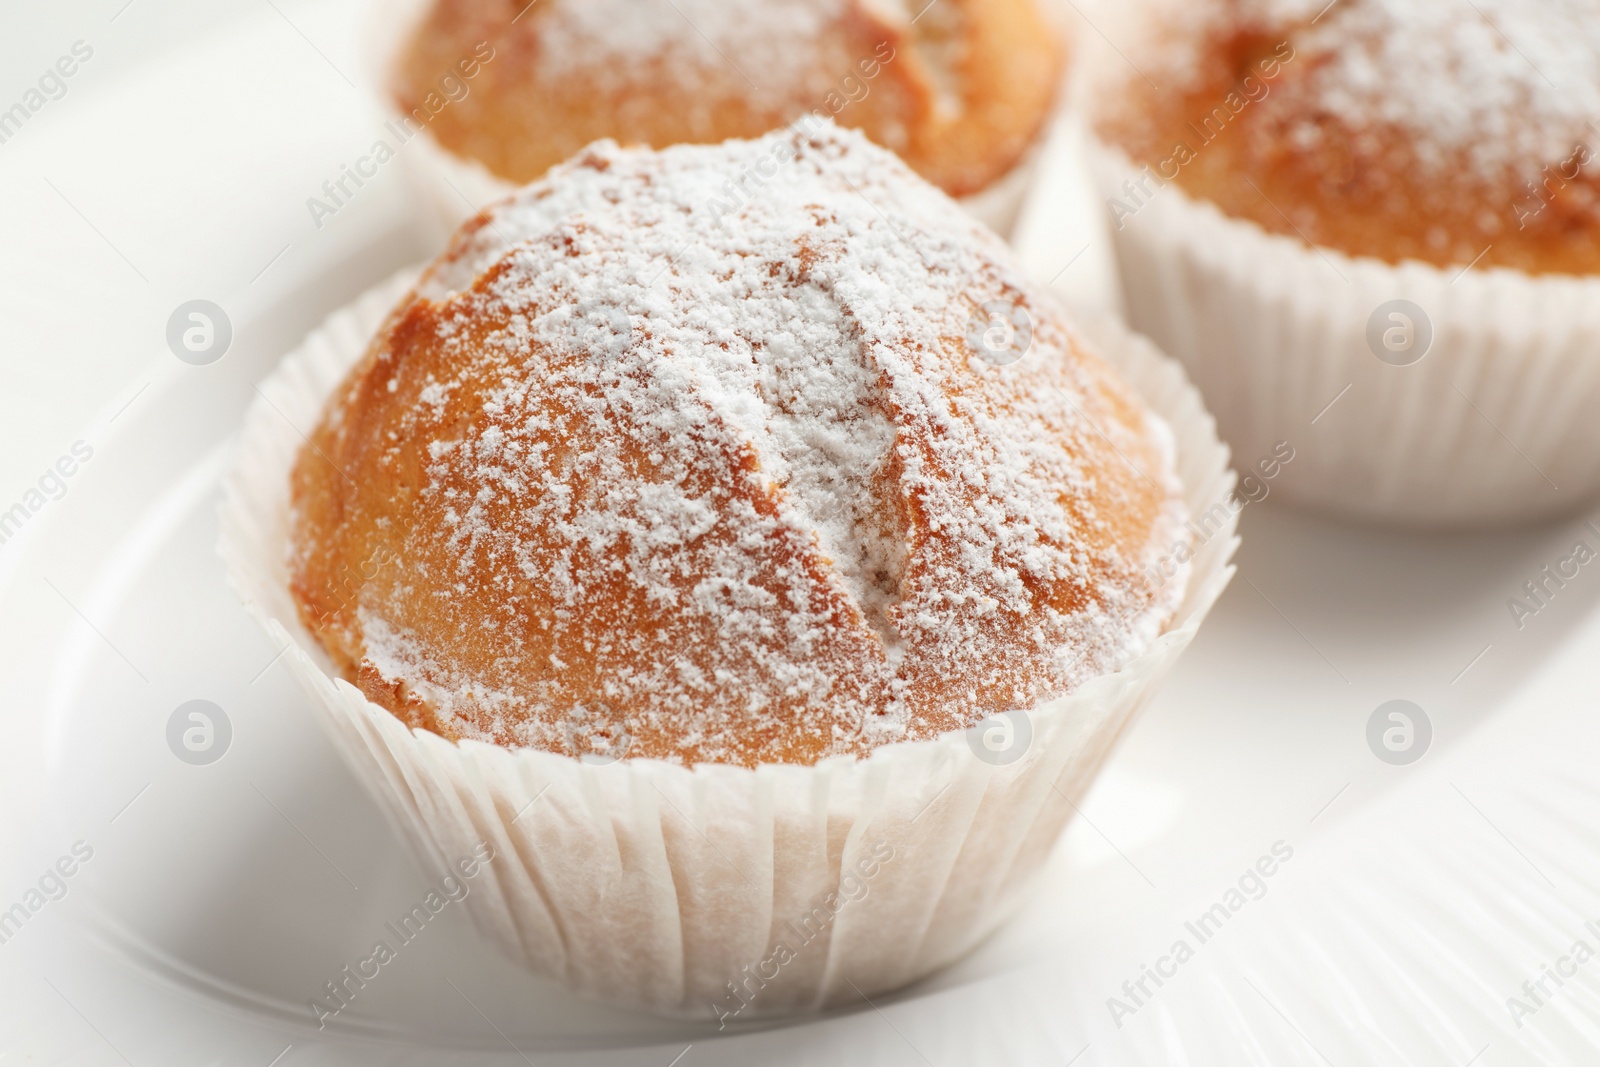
(1493, 424)
(664, 886)
(456, 188)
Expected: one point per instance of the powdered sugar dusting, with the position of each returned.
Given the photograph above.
(770, 45)
(724, 473)
(1506, 85)
(1506, 81)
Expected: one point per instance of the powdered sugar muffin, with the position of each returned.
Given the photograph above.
(1399, 129)
(735, 481)
(664, 543)
(960, 89)
(1392, 196)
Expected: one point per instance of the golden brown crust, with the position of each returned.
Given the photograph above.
(1266, 114)
(960, 93)
(553, 504)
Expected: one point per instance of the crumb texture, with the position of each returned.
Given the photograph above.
(638, 470)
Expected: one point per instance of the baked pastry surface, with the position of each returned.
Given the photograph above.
(1399, 129)
(639, 471)
(959, 88)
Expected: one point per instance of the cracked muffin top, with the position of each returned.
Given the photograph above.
(637, 469)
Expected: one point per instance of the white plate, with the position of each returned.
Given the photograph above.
(220, 898)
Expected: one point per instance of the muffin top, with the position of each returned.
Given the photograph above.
(635, 470)
(1399, 129)
(959, 88)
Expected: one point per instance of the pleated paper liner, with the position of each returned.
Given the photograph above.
(1488, 420)
(719, 892)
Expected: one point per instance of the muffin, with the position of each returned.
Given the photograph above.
(1377, 195)
(959, 89)
(714, 566)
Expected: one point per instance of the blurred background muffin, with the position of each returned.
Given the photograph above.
(1370, 229)
(960, 89)
(1399, 129)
